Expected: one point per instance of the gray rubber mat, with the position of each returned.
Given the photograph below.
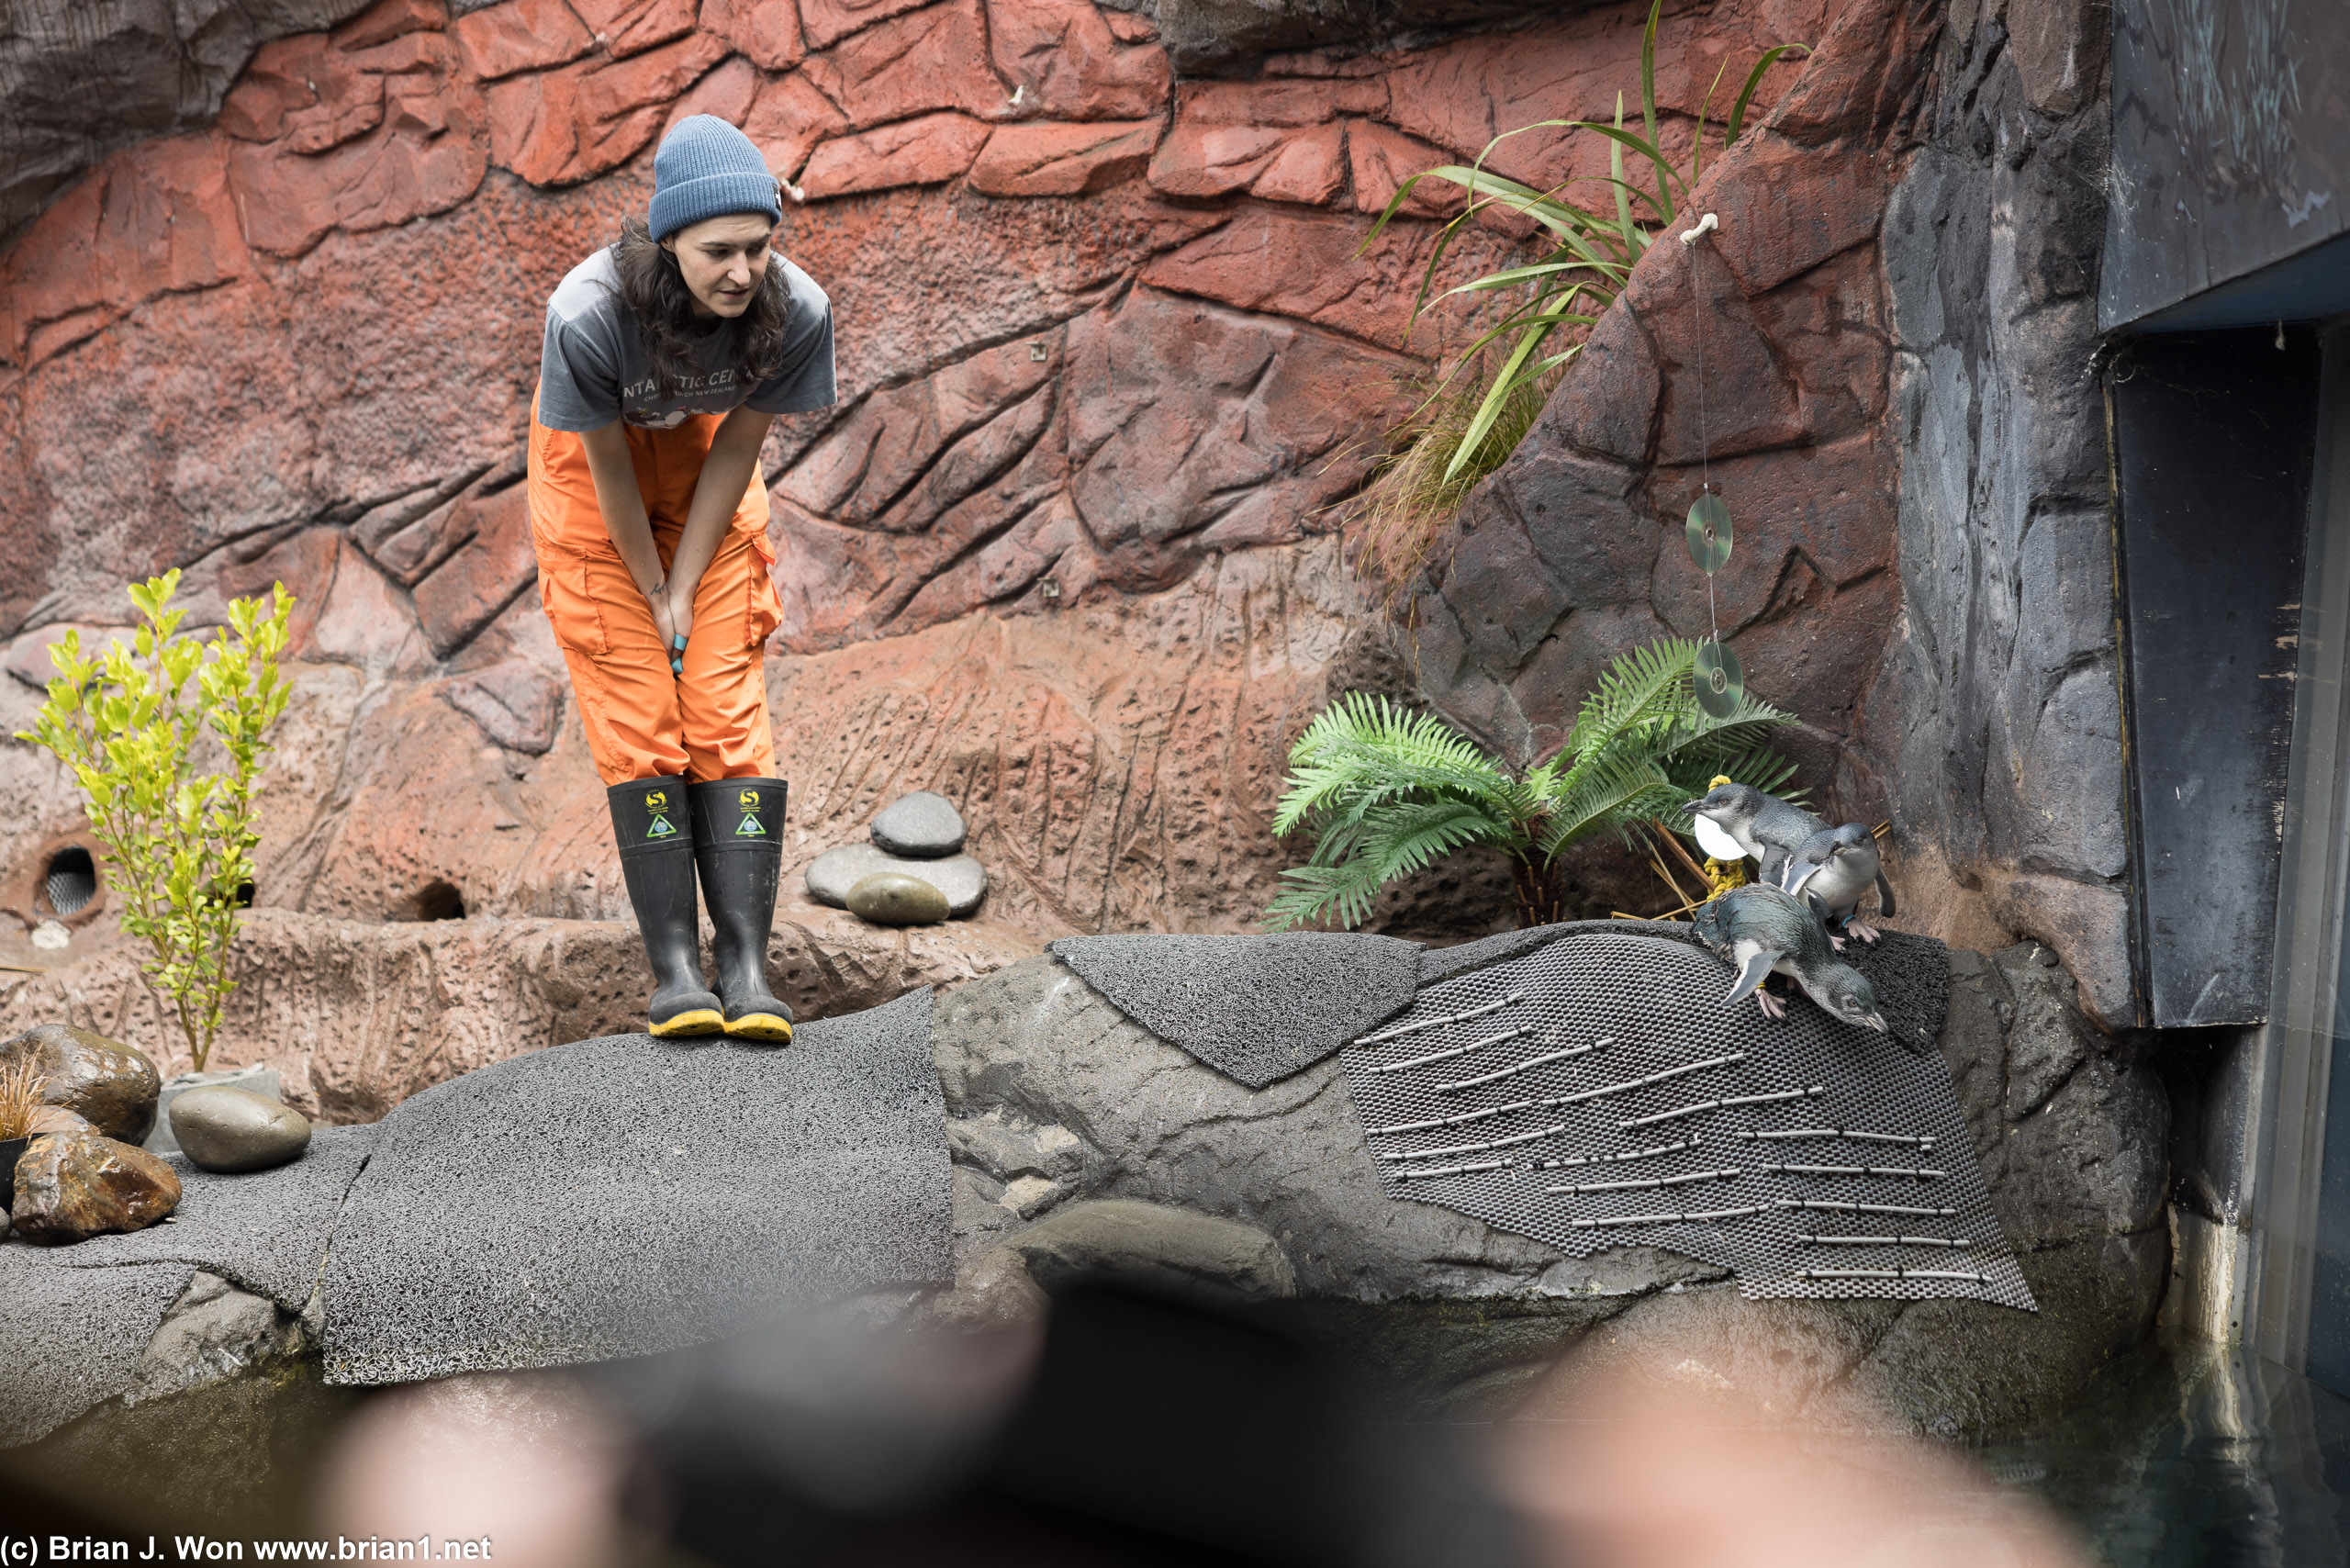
(625, 1195)
(1597, 1090)
(1254, 1008)
(71, 1338)
(264, 1231)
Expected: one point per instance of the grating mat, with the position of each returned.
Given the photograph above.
(1597, 1092)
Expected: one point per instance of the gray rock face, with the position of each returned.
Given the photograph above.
(923, 825)
(1056, 1100)
(2009, 746)
(78, 81)
(832, 874)
(229, 1129)
(1169, 1250)
(893, 898)
(214, 1331)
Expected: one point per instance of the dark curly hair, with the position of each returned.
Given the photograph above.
(675, 338)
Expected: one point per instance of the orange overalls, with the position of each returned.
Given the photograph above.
(643, 721)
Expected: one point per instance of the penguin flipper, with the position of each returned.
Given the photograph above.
(1883, 895)
(1758, 969)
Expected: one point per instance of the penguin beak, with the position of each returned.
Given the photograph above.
(1877, 1021)
(1691, 806)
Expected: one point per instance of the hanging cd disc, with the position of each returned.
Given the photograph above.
(1719, 680)
(1710, 534)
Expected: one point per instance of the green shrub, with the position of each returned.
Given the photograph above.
(179, 842)
(1387, 791)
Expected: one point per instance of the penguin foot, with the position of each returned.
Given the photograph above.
(1771, 1006)
(1835, 941)
(1866, 932)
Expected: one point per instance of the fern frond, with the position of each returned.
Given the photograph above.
(1613, 793)
(1343, 894)
(1648, 685)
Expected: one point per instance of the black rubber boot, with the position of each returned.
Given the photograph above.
(655, 830)
(738, 841)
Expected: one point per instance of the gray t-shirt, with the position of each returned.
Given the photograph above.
(593, 369)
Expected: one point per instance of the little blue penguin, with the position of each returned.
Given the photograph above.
(1833, 868)
(1765, 826)
(1759, 929)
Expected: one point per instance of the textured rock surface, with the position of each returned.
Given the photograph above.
(71, 1186)
(832, 876)
(1055, 1098)
(924, 825)
(356, 1017)
(729, 1184)
(894, 898)
(111, 1085)
(233, 1130)
(2003, 723)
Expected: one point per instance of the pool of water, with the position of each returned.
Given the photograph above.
(2197, 1457)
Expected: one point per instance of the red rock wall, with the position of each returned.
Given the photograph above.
(1105, 349)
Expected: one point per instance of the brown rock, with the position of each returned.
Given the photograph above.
(466, 592)
(71, 1186)
(934, 59)
(788, 120)
(766, 31)
(921, 152)
(1311, 167)
(1062, 160)
(1068, 62)
(1382, 160)
(828, 21)
(561, 127)
(428, 155)
(623, 27)
(111, 1084)
(389, 19)
(521, 34)
(1198, 159)
(56, 1119)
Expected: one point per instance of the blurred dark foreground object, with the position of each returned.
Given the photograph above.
(1152, 1431)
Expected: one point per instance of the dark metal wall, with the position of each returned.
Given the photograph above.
(2214, 437)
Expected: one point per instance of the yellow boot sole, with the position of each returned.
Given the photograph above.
(761, 1026)
(695, 1021)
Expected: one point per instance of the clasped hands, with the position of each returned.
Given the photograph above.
(673, 618)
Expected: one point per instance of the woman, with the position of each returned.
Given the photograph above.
(666, 356)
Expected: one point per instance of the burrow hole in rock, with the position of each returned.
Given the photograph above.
(71, 881)
(437, 901)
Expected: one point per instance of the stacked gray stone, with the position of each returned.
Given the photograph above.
(917, 843)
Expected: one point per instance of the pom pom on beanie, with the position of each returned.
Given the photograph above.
(706, 168)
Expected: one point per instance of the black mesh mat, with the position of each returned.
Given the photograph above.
(1597, 1092)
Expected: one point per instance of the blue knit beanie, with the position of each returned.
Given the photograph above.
(706, 168)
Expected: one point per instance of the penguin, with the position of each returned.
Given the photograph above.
(1833, 869)
(1763, 826)
(1760, 930)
